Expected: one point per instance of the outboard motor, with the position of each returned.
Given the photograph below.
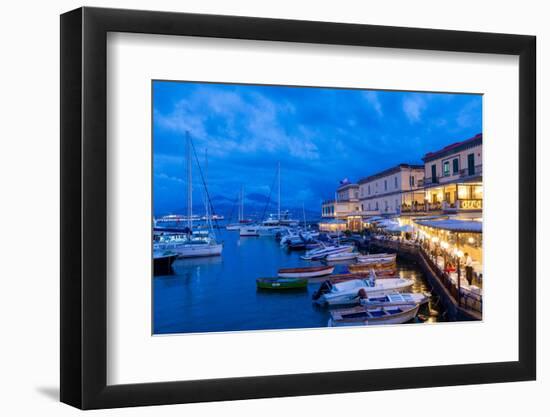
(323, 289)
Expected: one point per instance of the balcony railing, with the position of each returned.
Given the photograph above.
(466, 172)
(414, 208)
(458, 205)
(463, 173)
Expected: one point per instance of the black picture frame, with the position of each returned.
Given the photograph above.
(84, 207)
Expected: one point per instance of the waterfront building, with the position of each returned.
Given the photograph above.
(345, 207)
(394, 191)
(453, 178)
(333, 225)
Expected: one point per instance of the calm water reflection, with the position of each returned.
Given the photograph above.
(219, 293)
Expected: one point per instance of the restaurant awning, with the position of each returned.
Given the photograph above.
(453, 225)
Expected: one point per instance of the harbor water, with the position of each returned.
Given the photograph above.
(218, 294)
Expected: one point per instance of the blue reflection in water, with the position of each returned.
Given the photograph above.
(219, 293)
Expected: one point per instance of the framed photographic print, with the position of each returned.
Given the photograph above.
(257, 208)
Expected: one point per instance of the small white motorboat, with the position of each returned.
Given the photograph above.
(325, 250)
(349, 292)
(342, 256)
(306, 272)
(366, 316)
(395, 299)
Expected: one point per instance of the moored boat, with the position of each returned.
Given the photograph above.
(336, 278)
(348, 292)
(364, 267)
(343, 256)
(325, 250)
(395, 299)
(377, 258)
(190, 243)
(250, 231)
(162, 262)
(281, 283)
(242, 221)
(306, 272)
(365, 316)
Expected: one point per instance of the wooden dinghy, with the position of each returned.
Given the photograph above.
(366, 316)
(364, 267)
(385, 273)
(281, 283)
(306, 272)
(377, 258)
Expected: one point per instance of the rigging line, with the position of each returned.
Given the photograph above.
(269, 197)
(230, 220)
(212, 213)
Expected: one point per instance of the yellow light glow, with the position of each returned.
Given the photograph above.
(478, 191)
(470, 240)
(460, 254)
(444, 245)
(462, 192)
(435, 239)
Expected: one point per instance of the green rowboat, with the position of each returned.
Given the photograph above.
(281, 283)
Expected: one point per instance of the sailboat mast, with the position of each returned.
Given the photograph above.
(279, 197)
(241, 208)
(206, 208)
(189, 185)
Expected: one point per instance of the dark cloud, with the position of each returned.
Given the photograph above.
(319, 136)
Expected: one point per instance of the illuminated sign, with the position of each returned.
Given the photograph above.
(471, 204)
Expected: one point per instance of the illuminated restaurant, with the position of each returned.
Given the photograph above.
(453, 180)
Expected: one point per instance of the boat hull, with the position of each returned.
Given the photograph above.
(248, 232)
(185, 250)
(356, 317)
(162, 265)
(351, 297)
(345, 256)
(305, 272)
(367, 260)
(395, 300)
(324, 254)
(363, 267)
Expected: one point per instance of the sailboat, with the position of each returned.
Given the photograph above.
(274, 223)
(242, 221)
(189, 244)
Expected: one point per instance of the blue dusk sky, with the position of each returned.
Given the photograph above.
(319, 135)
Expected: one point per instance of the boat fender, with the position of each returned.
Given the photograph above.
(362, 294)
